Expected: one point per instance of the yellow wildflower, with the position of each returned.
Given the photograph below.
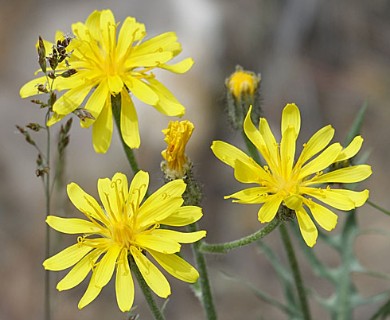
(121, 228)
(108, 65)
(177, 135)
(281, 182)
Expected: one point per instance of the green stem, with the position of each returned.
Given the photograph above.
(207, 297)
(228, 246)
(157, 314)
(372, 204)
(295, 271)
(46, 178)
(116, 110)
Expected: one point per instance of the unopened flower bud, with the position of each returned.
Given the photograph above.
(242, 92)
(68, 73)
(176, 163)
(42, 55)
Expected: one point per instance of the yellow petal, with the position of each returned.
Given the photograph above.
(176, 266)
(250, 172)
(115, 84)
(180, 67)
(148, 60)
(180, 237)
(86, 203)
(125, 42)
(97, 101)
(124, 285)
(163, 42)
(326, 218)
(357, 197)
(167, 103)
(183, 216)
(54, 119)
(321, 162)
(251, 195)
(307, 227)
(90, 294)
(291, 118)
(269, 209)
(92, 24)
(254, 135)
(332, 197)
(287, 150)
(153, 277)
(315, 144)
(150, 240)
(79, 272)
(351, 150)
(293, 202)
(129, 122)
(142, 91)
(271, 150)
(108, 31)
(106, 266)
(72, 225)
(113, 194)
(66, 258)
(138, 188)
(229, 154)
(162, 203)
(102, 130)
(71, 99)
(344, 175)
(31, 88)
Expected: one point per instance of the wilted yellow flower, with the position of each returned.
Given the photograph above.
(123, 227)
(110, 64)
(176, 136)
(243, 83)
(281, 182)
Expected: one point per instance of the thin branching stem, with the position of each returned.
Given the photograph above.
(116, 110)
(295, 272)
(228, 246)
(204, 283)
(157, 314)
(374, 205)
(46, 179)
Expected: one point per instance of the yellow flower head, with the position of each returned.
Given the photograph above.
(295, 185)
(123, 227)
(110, 63)
(176, 136)
(242, 83)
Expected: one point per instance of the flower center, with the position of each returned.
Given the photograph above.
(122, 234)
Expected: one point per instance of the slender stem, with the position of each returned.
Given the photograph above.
(372, 204)
(295, 271)
(228, 246)
(157, 314)
(207, 297)
(116, 110)
(47, 197)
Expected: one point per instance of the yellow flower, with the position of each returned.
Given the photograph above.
(243, 83)
(121, 228)
(176, 136)
(107, 65)
(281, 182)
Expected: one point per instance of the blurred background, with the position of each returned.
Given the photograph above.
(326, 56)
